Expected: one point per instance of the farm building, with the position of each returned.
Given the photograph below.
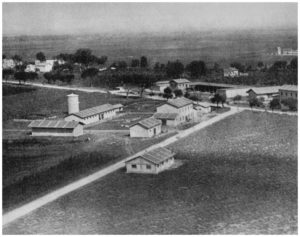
(181, 106)
(95, 114)
(44, 66)
(231, 72)
(59, 128)
(152, 162)
(232, 92)
(181, 84)
(204, 107)
(148, 127)
(8, 63)
(265, 93)
(168, 119)
(288, 91)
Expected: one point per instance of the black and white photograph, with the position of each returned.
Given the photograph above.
(149, 118)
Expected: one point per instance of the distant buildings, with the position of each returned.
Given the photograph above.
(148, 127)
(45, 66)
(58, 128)
(287, 51)
(230, 93)
(30, 68)
(266, 93)
(95, 114)
(8, 63)
(181, 84)
(288, 91)
(152, 162)
(183, 107)
(231, 72)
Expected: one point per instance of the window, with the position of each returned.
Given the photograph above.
(133, 166)
(148, 167)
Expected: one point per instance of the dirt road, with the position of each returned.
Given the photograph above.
(27, 208)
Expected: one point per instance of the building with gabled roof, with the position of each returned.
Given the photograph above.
(181, 106)
(288, 91)
(231, 72)
(152, 162)
(59, 128)
(148, 127)
(267, 92)
(95, 114)
(180, 83)
(168, 119)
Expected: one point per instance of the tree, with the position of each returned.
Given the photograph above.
(102, 60)
(41, 57)
(275, 104)
(294, 64)
(167, 93)
(174, 69)
(218, 98)
(196, 68)
(216, 67)
(238, 66)
(278, 65)
(144, 62)
(260, 64)
(237, 98)
(178, 93)
(24, 76)
(90, 73)
(3, 56)
(254, 102)
(83, 56)
(6, 73)
(122, 65)
(17, 58)
(291, 103)
(135, 62)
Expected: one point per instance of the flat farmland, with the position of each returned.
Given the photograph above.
(238, 176)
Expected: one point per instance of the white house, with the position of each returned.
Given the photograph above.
(148, 127)
(180, 83)
(45, 66)
(95, 114)
(231, 72)
(152, 162)
(59, 128)
(181, 106)
(8, 63)
(203, 107)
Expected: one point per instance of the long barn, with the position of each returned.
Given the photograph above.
(58, 128)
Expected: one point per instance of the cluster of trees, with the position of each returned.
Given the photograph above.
(52, 77)
(25, 76)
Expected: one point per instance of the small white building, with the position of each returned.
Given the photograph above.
(231, 72)
(230, 93)
(45, 66)
(203, 107)
(180, 83)
(152, 162)
(57, 128)
(8, 63)
(266, 93)
(95, 114)
(148, 127)
(181, 106)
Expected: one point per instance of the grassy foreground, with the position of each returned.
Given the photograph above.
(238, 176)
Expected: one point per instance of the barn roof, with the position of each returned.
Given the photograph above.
(179, 102)
(118, 106)
(289, 88)
(148, 123)
(181, 80)
(167, 116)
(53, 124)
(157, 155)
(265, 90)
(94, 110)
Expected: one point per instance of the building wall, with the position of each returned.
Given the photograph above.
(184, 113)
(231, 93)
(139, 131)
(143, 166)
(58, 132)
(78, 131)
(74, 118)
(285, 94)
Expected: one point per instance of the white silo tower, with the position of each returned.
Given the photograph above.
(279, 50)
(73, 103)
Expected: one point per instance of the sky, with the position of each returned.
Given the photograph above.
(96, 18)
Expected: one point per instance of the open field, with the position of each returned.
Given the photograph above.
(222, 47)
(239, 177)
